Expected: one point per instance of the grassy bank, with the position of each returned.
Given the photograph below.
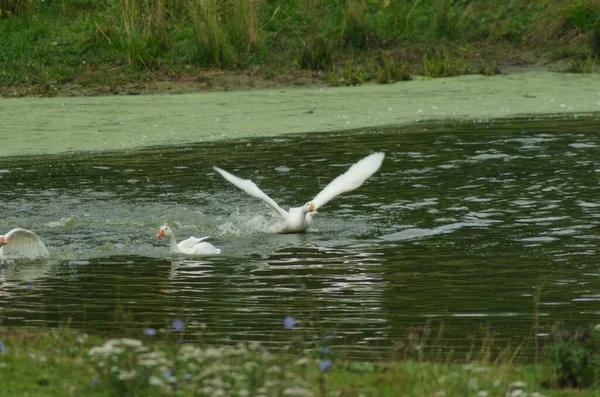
(62, 362)
(113, 46)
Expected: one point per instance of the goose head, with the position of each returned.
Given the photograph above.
(164, 231)
(309, 208)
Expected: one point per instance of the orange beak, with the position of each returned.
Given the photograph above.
(161, 233)
(2, 241)
(312, 207)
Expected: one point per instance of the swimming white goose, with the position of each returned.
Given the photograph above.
(299, 219)
(191, 246)
(21, 244)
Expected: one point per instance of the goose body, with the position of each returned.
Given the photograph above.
(21, 244)
(191, 246)
(299, 219)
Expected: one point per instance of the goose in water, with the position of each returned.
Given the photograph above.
(191, 246)
(21, 244)
(299, 219)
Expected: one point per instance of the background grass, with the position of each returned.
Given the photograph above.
(53, 42)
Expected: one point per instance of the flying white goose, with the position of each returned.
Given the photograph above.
(191, 246)
(21, 244)
(299, 219)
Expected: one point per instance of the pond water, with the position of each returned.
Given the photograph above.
(460, 225)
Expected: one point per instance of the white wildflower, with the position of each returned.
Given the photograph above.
(131, 342)
(126, 375)
(271, 383)
(296, 391)
(211, 352)
(148, 362)
(156, 381)
(219, 393)
(302, 362)
(473, 384)
(250, 365)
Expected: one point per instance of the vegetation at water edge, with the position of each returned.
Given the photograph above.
(63, 362)
(57, 47)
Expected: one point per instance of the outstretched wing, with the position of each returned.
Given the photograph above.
(349, 180)
(250, 187)
(23, 243)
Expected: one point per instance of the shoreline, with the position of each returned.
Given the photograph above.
(106, 123)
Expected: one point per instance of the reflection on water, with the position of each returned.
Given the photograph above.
(459, 226)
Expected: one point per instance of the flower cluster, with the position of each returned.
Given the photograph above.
(127, 362)
(128, 365)
(239, 370)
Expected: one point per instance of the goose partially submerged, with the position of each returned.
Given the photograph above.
(21, 244)
(299, 219)
(191, 246)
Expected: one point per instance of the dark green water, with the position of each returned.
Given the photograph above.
(458, 227)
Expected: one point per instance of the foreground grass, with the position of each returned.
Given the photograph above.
(61, 362)
(123, 46)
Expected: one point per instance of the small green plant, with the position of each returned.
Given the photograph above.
(575, 356)
(349, 74)
(439, 63)
(488, 68)
(317, 54)
(390, 70)
(589, 64)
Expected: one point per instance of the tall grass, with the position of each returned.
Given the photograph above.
(10, 8)
(144, 34)
(136, 37)
(212, 47)
(246, 30)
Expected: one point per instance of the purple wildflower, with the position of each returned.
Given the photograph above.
(168, 373)
(324, 365)
(2, 347)
(96, 381)
(178, 325)
(150, 332)
(289, 322)
(324, 350)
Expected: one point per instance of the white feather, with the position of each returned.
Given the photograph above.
(349, 180)
(250, 187)
(22, 244)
